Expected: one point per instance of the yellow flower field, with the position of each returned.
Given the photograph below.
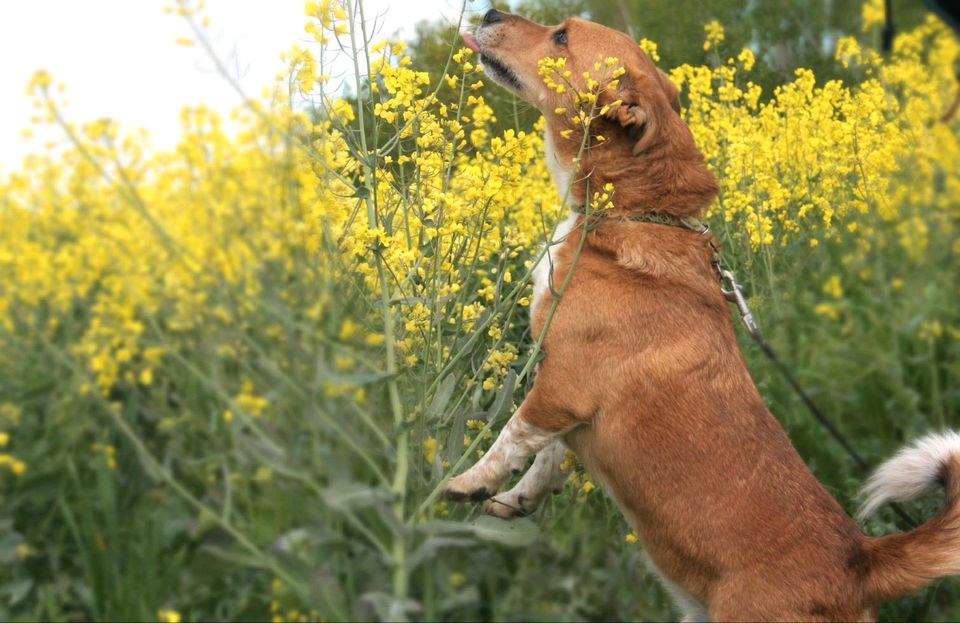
(233, 374)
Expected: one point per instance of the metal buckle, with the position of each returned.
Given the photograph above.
(735, 295)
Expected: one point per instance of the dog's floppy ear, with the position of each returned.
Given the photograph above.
(643, 101)
(670, 90)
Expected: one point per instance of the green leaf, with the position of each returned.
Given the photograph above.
(454, 443)
(361, 192)
(432, 546)
(463, 597)
(514, 533)
(15, 591)
(441, 397)
(356, 379)
(350, 496)
(504, 399)
(386, 607)
(9, 542)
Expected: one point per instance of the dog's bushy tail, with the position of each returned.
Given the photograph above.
(902, 563)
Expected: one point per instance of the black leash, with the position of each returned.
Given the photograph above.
(735, 295)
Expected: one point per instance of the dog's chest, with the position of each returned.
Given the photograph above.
(544, 269)
(542, 272)
(561, 174)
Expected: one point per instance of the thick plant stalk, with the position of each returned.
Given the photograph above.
(401, 469)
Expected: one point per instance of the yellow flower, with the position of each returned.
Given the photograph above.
(374, 339)
(430, 450)
(146, 376)
(930, 330)
(828, 310)
(169, 616)
(833, 287)
(848, 49)
(24, 551)
(873, 14)
(41, 80)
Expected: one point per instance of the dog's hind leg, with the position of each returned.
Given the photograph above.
(544, 477)
(536, 424)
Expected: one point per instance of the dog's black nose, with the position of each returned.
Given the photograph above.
(492, 17)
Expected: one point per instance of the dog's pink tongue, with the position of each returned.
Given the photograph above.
(471, 41)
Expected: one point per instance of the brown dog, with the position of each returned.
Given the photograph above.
(644, 380)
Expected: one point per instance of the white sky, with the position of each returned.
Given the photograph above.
(119, 58)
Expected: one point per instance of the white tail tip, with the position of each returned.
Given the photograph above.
(913, 471)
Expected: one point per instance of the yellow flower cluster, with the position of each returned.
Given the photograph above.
(581, 102)
(282, 612)
(819, 162)
(873, 14)
(9, 418)
(328, 16)
(109, 453)
(603, 200)
(651, 49)
(715, 35)
(16, 466)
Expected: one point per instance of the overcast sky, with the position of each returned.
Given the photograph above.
(119, 57)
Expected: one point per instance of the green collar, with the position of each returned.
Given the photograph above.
(686, 222)
(659, 218)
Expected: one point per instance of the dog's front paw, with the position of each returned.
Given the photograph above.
(464, 488)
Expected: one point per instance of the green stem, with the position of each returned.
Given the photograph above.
(935, 401)
(399, 549)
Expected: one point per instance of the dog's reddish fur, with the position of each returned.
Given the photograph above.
(644, 379)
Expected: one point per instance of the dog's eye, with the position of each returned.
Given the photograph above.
(560, 37)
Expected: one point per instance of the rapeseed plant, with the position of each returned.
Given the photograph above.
(287, 336)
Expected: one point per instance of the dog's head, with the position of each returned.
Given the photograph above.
(645, 101)
(648, 152)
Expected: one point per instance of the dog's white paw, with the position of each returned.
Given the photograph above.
(466, 487)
